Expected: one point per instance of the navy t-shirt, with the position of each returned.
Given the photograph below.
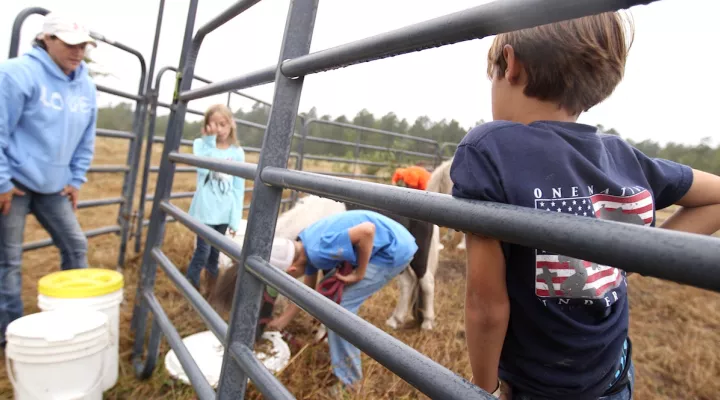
(327, 242)
(568, 317)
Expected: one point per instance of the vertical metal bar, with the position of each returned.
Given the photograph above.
(266, 200)
(128, 188)
(133, 158)
(152, 97)
(228, 100)
(156, 229)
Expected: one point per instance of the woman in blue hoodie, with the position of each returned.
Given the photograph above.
(47, 135)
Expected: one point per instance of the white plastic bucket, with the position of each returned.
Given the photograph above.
(89, 289)
(108, 304)
(207, 351)
(57, 355)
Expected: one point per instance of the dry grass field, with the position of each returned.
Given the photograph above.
(675, 329)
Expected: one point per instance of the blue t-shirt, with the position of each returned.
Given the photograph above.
(327, 242)
(569, 318)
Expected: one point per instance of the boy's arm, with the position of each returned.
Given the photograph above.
(700, 206)
(362, 237)
(292, 310)
(487, 309)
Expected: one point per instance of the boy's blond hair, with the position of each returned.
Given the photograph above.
(223, 110)
(576, 63)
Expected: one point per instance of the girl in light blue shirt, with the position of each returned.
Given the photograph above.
(219, 197)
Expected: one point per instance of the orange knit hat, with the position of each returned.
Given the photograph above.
(414, 177)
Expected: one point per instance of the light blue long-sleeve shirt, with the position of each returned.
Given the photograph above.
(47, 123)
(219, 197)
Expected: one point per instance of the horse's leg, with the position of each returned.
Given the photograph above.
(427, 282)
(449, 234)
(427, 291)
(406, 283)
(461, 245)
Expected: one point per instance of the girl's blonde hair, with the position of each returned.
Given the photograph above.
(223, 110)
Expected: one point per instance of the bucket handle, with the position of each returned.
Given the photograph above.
(98, 380)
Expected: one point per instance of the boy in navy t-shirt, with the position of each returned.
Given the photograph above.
(541, 325)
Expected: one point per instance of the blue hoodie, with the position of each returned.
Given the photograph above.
(47, 123)
(219, 198)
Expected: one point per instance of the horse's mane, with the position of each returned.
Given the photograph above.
(440, 179)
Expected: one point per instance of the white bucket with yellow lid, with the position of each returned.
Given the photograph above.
(95, 288)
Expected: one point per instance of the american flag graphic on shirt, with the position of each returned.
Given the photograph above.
(558, 276)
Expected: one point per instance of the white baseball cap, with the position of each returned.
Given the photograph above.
(67, 30)
(283, 253)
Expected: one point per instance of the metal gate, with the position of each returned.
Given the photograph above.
(684, 258)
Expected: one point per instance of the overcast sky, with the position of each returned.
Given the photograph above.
(670, 91)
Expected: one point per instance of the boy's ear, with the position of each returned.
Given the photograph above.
(514, 69)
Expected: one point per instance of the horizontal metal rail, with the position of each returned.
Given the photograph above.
(473, 23)
(176, 195)
(163, 70)
(237, 120)
(352, 175)
(256, 78)
(345, 160)
(161, 139)
(371, 130)
(177, 169)
(266, 382)
(39, 244)
(432, 379)
(99, 169)
(99, 202)
(677, 256)
(119, 93)
(241, 169)
(109, 133)
(200, 384)
(231, 12)
(368, 146)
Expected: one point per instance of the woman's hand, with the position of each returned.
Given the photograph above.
(72, 194)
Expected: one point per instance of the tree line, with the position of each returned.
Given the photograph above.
(373, 145)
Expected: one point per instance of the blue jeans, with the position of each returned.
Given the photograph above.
(344, 356)
(56, 215)
(205, 256)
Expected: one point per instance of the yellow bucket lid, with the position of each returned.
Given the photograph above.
(85, 282)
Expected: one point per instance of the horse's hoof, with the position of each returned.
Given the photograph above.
(391, 322)
(427, 325)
